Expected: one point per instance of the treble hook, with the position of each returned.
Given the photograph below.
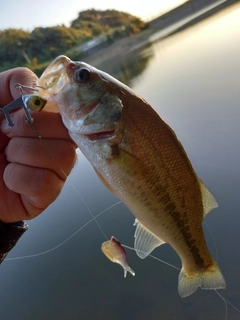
(28, 102)
(21, 87)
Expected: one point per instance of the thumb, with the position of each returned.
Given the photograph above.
(8, 80)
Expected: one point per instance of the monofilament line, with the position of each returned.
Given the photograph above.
(66, 240)
(67, 178)
(153, 257)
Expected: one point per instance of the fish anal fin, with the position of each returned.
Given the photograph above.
(207, 279)
(208, 200)
(145, 241)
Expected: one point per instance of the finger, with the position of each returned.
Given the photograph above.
(38, 187)
(47, 124)
(8, 80)
(3, 142)
(58, 155)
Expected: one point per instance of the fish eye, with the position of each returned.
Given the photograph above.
(83, 75)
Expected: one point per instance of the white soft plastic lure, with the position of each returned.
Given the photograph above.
(114, 251)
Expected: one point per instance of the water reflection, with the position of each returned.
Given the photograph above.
(126, 68)
(192, 80)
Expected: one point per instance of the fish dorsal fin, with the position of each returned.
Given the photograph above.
(208, 200)
(145, 241)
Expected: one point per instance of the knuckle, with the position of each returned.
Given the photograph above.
(46, 183)
(17, 148)
(66, 155)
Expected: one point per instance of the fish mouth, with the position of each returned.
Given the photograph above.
(83, 111)
(102, 135)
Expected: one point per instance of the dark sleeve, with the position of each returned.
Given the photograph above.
(10, 233)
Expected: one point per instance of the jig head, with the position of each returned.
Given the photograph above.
(29, 102)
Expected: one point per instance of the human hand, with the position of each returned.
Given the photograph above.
(32, 170)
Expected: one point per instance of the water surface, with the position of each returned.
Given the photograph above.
(192, 80)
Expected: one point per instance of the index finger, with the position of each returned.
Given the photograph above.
(8, 81)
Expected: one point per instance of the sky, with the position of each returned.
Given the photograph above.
(28, 14)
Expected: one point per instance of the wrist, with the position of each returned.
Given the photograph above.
(10, 233)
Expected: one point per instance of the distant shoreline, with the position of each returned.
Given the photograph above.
(125, 45)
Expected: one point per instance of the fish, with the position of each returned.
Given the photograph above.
(115, 252)
(139, 158)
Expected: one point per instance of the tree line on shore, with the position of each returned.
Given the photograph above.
(37, 48)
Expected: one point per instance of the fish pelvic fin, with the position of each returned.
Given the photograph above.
(210, 279)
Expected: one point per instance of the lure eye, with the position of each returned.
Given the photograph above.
(83, 75)
(36, 102)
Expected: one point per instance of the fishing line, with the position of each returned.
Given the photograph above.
(69, 181)
(88, 209)
(226, 301)
(66, 240)
(153, 257)
(93, 218)
(214, 242)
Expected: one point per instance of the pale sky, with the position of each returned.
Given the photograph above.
(28, 14)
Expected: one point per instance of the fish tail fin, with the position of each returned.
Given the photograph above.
(210, 278)
(128, 269)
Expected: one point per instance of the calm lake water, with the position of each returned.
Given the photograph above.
(192, 79)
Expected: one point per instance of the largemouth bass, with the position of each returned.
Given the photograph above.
(139, 158)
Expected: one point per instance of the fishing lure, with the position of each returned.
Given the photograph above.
(29, 102)
(115, 252)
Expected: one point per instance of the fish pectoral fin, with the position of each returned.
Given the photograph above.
(145, 241)
(208, 200)
(130, 164)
